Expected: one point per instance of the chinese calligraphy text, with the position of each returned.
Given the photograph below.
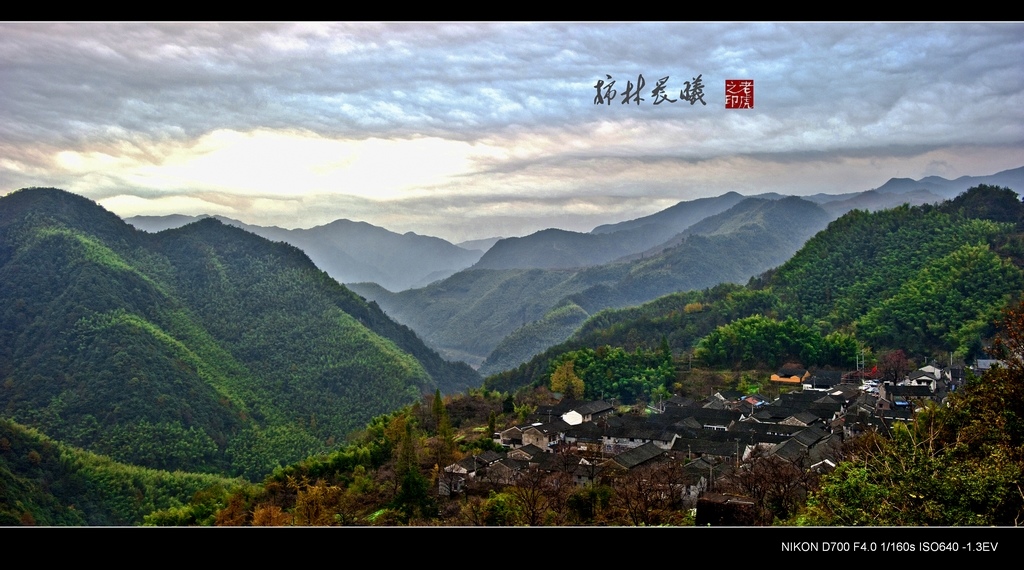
(693, 91)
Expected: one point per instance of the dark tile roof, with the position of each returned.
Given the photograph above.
(790, 451)
(809, 436)
(489, 456)
(528, 450)
(704, 447)
(730, 395)
(638, 455)
(593, 407)
(586, 431)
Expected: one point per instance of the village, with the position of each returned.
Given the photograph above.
(729, 459)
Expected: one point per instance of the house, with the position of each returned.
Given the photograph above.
(791, 375)
(587, 412)
(717, 509)
(823, 380)
(901, 397)
(545, 435)
(628, 432)
(512, 437)
(456, 475)
(645, 454)
(525, 453)
(586, 438)
(505, 471)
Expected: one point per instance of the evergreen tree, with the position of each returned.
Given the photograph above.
(413, 498)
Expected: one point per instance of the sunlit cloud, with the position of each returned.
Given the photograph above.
(465, 130)
(289, 164)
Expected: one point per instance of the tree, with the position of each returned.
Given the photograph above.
(894, 366)
(316, 504)
(530, 496)
(988, 202)
(413, 497)
(778, 486)
(437, 409)
(961, 463)
(649, 494)
(565, 380)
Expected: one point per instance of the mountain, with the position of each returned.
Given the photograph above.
(562, 249)
(555, 249)
(947, 189)
(470, 314)
(676, 218)
(352, 252)
(203, 348)
(929, 280)
(481, 244)
(873, 200)
(749, 238)
(46, 483)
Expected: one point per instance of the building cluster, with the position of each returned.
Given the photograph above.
(706, 441)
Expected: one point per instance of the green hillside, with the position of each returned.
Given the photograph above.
(508, 315)
(47, 483)
(204, 348)
(930, 280)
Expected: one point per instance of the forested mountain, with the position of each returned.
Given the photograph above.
(676, 218)
(930, 280)
(203, 348)
(470, 314)
(561, 249)
(927, 279)
(948, 189)
(47, 483)
(354, 252)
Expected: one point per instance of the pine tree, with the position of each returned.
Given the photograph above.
(413, 498)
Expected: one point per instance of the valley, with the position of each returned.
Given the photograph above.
(203, 348)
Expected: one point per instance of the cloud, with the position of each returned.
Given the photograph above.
(499, 116)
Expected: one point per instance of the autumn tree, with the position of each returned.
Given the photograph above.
(530, 496)
(894, 366)
(777, 486)
(316, 504)
(565, 380)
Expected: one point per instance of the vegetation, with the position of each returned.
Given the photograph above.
(472, 314)
(208, 350)
(44, 482)
(613, 373)
(958, 464)
(203, 348)
(929, 280)
(763, 341)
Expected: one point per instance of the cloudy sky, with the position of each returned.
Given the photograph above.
(469, 130)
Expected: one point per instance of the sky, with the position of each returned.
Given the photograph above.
(472, 130)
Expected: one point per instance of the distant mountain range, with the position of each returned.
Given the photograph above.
(467, 315)
(930, 281)
(357, 252)
(693, 244)
(497, 318)
(353, 252)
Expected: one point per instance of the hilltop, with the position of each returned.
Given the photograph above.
(203, 348)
